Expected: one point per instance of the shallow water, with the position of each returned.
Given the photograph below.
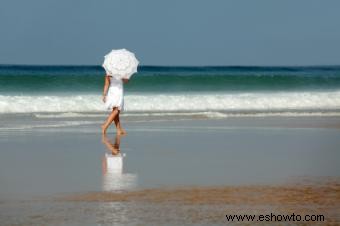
(165, 153)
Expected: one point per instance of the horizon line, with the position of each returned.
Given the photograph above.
(150, 65)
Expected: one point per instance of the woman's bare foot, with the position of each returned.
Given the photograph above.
(121, 132)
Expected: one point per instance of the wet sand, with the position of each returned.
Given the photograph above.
(327, 193)
(171, 172)
(183, 206)
(318, 199)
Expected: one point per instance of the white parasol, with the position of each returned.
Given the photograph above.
(120, 63)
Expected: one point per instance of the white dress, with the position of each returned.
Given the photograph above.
(115, 95)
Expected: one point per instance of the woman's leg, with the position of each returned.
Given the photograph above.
(109, 119)
(117, 122)
(120, 130)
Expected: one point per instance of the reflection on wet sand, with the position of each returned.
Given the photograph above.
(114, 179)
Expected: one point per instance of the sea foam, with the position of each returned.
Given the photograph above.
(256, 101)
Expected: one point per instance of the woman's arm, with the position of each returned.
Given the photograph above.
(125, 80)
(106, 87)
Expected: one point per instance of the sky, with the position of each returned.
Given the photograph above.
(171, 32)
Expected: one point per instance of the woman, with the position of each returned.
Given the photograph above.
(114, 101)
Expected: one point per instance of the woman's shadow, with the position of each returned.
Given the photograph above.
(112, 164)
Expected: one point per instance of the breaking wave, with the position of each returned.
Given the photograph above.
(193, 102)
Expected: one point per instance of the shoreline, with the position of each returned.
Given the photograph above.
(49, 121)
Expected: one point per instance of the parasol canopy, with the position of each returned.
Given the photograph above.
(120, 63)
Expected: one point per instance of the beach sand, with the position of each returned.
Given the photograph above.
(171, 172)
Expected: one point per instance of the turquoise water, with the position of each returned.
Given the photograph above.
(167, 89)
(35, 79)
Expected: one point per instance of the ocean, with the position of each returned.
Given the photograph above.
(64, 91)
